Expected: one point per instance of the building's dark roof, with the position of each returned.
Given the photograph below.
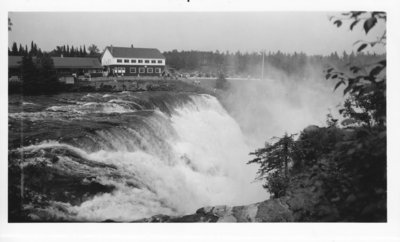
(62, 62)
(14, 61)
(130, 52)
(76, 62)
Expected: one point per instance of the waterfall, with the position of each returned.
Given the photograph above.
(172, 160)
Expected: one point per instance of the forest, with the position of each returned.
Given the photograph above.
(249, 64)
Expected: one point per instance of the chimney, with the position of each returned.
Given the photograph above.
(111, 49)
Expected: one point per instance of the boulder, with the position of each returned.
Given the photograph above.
(274, 210)
(245, 213)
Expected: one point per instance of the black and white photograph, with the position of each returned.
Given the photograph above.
(177, 117)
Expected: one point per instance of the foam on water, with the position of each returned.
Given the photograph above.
(29, 103)
(196, 156)
(206, 166)
(91, 107)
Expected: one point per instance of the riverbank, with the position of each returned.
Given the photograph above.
(119, 85)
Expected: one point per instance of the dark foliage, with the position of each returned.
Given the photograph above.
(365, 84)
(71, 51)
(274, 162)
(276, 184)
(250, 64)
(93, 51)
(348, 163)
(9, 24)
(64, 50)
(38, 77)
(22, 51)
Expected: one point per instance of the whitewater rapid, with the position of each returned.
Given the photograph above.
(158, 162)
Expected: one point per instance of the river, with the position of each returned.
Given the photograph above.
(130, 155)
(124, 156)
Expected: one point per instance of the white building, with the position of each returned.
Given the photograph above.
(130, 61)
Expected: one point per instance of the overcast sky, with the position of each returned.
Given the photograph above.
(309, 32)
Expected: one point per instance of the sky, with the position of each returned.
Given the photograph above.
(308, 32)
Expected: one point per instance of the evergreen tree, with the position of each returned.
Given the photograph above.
(20, 50)
(84, 53)
(14, 49)
(274, 161)
(39, 52)
(39, 78)
(72, 54)
(32, 51)
(29, 75)
(36, 50)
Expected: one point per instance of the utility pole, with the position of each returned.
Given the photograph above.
(262, 67)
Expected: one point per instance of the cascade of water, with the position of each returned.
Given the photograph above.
(160, 163)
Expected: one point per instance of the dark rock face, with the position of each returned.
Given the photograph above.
(274, 210)
(267, 211)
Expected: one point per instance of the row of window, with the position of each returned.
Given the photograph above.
(141, 70)
(139, 61)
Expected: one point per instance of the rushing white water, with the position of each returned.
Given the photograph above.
(167, 164)
(91, 107)
(206, 166)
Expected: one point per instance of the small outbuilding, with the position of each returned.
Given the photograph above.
(66, 67)
(76, 65)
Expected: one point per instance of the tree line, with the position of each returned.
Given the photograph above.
(212, 63)
(62, 50)
(227, 64)
(250, 64)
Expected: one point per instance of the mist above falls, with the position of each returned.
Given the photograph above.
(280, 103)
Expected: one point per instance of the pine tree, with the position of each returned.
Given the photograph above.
(36, 50)
(32, 51)
(84, 51)
(14, 49)
(20, 50)
(39, 52)
(274, 164)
